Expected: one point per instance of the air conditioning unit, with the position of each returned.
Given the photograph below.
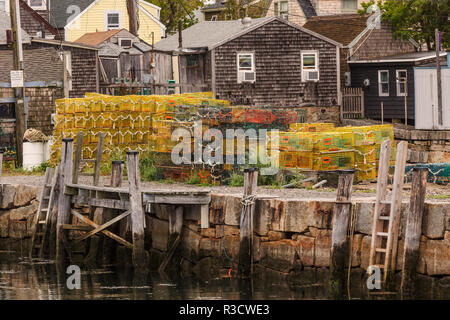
(311, 75)
(285, 16)
(246, 76)
(348, 79)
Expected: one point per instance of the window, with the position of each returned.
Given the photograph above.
(383, 83)
(112, 20)
(2, 5)
(284, 9)
(245, 62)
(37, 4)
(310, 65)
(192, 61)
(246, 67)
(125, 43)
(349, 5)
(401, 78)
(275, 9)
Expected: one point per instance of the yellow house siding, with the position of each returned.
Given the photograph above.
(93, 20)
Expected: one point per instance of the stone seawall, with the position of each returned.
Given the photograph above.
(292, 234)
(289, 234)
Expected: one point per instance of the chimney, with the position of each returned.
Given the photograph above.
(247, 21)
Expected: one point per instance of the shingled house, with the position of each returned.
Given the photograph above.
(259, 61)
(296, 11)
(362, 38)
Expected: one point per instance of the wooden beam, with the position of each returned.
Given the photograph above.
(78, 155)
(413, 232)
(105, 232)
(105, 225)
(64, 201)
(339, 240)
(98, 158)
(102, 203)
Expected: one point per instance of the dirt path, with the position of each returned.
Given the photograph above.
(435, 193)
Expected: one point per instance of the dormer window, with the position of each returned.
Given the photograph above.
(37, 4)
(125, 42)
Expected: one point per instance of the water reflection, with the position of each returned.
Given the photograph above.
(43, 280)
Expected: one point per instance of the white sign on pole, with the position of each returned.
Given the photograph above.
(16, 78)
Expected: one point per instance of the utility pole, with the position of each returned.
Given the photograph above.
(18, 92)
(438, 72)
(132, 17)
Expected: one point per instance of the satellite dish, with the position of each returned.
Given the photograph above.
(366, 82)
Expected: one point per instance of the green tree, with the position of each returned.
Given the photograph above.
(416, 19)
(173, 11)
(238, 9)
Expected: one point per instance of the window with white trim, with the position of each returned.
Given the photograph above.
(401, 79)
(246, 62)
(2, 5)
(125, 42)
(284, 9)
(37, 4)
(310, 65)
(246, 67)
(113, 20)
(383, 83)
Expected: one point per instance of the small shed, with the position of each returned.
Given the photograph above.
(254, 61)
(390, 82)
(426, 101)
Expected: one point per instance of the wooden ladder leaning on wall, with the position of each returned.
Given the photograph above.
(385, 225)
(42, 218)
(48, 199)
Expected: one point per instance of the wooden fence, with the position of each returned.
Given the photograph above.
(352, 103)
(147, 89)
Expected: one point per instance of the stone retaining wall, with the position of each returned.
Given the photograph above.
(289, 234)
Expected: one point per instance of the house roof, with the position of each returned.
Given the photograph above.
(60, 43)
(36, 16)
(210, 34)
(404, 57)
(43, 64)
(60, 12)
(342, 28)
(110, 50)
(5, 24)
(142, 46)
(307, 8)
(97, 38)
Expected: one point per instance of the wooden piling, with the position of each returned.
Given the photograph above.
(109, 245)
(175, 228)
(246, 222)
(64, 201)
(339, 241)
(413, 232)
(139, 254)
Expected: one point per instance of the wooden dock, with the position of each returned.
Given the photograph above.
(113, 205)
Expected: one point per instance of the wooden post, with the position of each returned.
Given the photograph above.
(19, 101)
(64, 201)
(175, 228)
(108, 214)
(438, 74)
(413, 232)
(137, 212)
(78, 156)
(382, 113)
(339, 241)
(246, 222)
(1, 165)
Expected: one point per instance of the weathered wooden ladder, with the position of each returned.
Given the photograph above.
(79, 159)
(42, 217)
(383, 250)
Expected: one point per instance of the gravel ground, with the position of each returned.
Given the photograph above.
(435, 193)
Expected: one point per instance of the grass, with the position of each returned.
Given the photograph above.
(236, 180)
(438, 196)
(38, 170)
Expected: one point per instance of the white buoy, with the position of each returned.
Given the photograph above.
(33, 154)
